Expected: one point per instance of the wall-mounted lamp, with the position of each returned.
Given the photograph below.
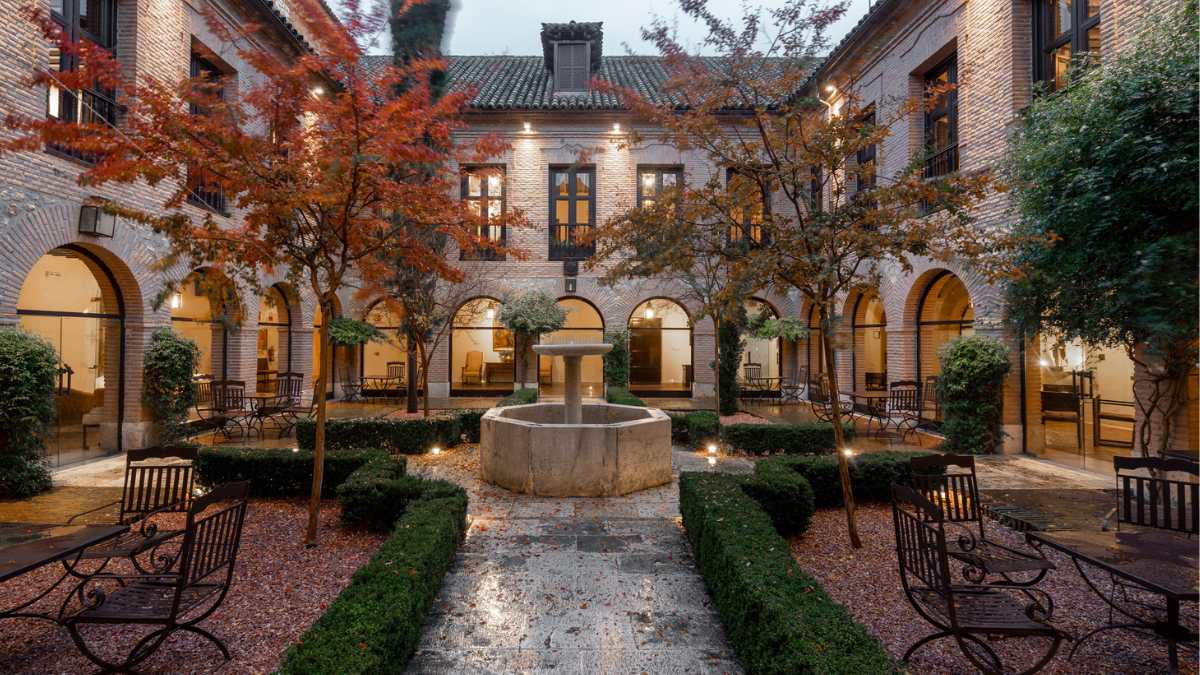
(649, 313)
(317, 90)
(616, 127)
(528, 127)
(176, 300)
(93, 219)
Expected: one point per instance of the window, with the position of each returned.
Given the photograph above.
(941, 119)
(95, 21)
(203, 190)
(571, 66)
(572, 211)
(864, 178)
(752, 204)
(1063, 28)
(483, 192)
(653, 181)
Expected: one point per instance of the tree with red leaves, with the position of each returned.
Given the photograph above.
(334, 171)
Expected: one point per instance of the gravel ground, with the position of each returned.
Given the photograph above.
(743, 417)
(868, 583)
(279, 589)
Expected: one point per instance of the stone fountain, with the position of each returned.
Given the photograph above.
(571, 449)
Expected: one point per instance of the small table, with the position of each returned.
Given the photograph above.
(875, 406)
(25, 547)
(1156, 561)
(499, 371)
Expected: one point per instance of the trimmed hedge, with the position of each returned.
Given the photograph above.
(374, 625)
(679, 430)
(778, 619)
(763, 439)
(279, 472)
(872, 475)
(519, 397)
(468, 422)
(702, 426)
(621, 396)
(396, 436)
(784, 494)
(378, 493)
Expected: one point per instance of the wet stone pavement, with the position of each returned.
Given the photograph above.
(575, 586)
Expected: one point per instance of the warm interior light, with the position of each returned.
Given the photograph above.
(1043, 363)
(528, 127)
(649, 313)
(616, 127)
(712, 448)
(176, 301)
(490, 314)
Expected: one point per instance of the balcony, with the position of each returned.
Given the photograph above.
(570, 250)
(204, 192)
(942, 163)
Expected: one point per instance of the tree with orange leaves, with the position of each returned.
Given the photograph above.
(334, 171)
(792, 203)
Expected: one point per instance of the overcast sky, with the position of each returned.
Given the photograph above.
(512, 26)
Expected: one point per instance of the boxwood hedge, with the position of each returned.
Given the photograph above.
(778, 619)
(621, 396)
(396, 436)
(374, 625)
(763, 439)
(279, 472)
(872, 474)
(378, 493)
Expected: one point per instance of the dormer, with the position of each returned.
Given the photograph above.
(572, 54)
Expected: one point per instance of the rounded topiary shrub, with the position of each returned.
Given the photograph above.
(969, 390)
(167, 385)
(28, 369)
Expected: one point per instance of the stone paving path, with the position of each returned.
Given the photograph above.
(573, 586)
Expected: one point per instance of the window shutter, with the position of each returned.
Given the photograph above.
(571, 67)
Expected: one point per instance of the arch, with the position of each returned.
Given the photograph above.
(72, 298)
(761, 367)
(278, 311)
(942, 309)
(193, 316)
(481, 354)
(867, 317)
(661, 348)
(384, 362)
(584, 323)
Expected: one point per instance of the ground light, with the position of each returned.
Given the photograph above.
(847, 452)
(435, 450)
(712, 448)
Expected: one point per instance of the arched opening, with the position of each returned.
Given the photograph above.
(868, 334)
(584, 325)
(383, 363)
(481, 350)
(318, 362)
(274, 337)
(71, 299)
(200, 311)
(660, 349)
(944, 312)
(759, 371)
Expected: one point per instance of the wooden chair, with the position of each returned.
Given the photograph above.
(969, 613)
(956, 494)
(473, 368)
(157, 480)
(751, 378)
(175, 600)
(395, 374)
(1154, 500)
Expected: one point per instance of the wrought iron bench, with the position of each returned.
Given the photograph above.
(968, 613)
(956, 494)
(157, 480)
(172, 601)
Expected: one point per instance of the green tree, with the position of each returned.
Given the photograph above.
(970, 388)
(28, 373)
(529, 315)
(167, 385)
(1105, 178)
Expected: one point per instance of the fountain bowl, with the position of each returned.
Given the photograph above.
(613, 450)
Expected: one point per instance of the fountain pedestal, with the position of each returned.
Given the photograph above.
(572, 354)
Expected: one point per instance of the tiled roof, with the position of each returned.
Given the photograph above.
(877, 8)
(523, 83)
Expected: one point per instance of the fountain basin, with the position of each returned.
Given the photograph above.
(613, 450)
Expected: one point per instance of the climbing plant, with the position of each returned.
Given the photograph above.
(616, 362)
(969, 389)
(167, 385)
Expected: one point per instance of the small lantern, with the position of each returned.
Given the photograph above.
(93, 219)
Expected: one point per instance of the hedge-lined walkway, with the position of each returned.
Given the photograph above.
(571, 585)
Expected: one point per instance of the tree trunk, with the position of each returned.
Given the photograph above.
(314, 502)
(423, 360)
(717, 361)
(519, 343)
(839, 435)
(410, 384)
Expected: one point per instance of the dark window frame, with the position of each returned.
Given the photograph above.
(560, 249)
(942, 160)
(866, 155)
(98, 104)
(1045, 43)
(562, 84)
(747, 230)
(483, 227)
(659, 170)
(202, 193)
